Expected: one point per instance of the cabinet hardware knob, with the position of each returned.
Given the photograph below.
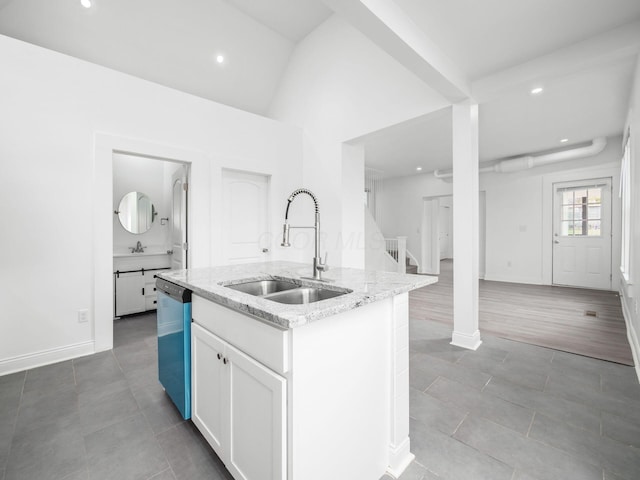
(225, 360)
(219, 356)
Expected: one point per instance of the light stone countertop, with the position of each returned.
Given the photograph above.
(366, 286)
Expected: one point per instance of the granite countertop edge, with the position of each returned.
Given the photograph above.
(366, 287)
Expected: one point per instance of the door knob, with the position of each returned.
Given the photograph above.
(556, 241)
(265, 250)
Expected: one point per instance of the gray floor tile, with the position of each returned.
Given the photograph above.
(588, 364)
(420, 378)
(570, 412)
(621, 386)
(593, 448)
(415, 471)
(38, 411)
(428, 367)
(439, 348)
(520, 475)
(434, 413)
(108, 408)
(608, 402)
(143, 376)
(588, 379)
(525, 454)
(483, 404)
(53, 451)
(97, 370)
(162, 415)
(50, 378)
(125, 450)
(11, 386)
(451, 459)
(621, 429)
(189, 455)
(166, 475)
(79, 475)
(134, 356)
(524, 372)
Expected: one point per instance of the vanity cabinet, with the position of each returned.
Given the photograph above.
(239, 404)
(135, 283)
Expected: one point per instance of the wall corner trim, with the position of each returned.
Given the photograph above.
(45, 357)
(632, 335)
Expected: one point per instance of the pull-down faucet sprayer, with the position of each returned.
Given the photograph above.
(318, 265)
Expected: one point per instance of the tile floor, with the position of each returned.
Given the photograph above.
(508, 411)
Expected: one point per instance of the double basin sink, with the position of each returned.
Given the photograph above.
(284, 291)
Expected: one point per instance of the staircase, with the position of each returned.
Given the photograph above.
(384, 253)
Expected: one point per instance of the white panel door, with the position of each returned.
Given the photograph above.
(430, 241)
(257, 435)
(179, 245)
(582, 234)
(245, 230)
(209, 387)
(445, 231)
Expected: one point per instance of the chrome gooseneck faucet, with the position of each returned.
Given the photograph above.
(318, 265)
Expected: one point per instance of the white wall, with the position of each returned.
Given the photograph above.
(339, 86)
(55, 191)
(631, 290)
(518, 219)
(148, 176)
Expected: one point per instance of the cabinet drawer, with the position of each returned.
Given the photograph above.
(268, 345)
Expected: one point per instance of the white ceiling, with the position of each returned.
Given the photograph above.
(483, 37)
(503, 47)
(175, 43)
(573, 48)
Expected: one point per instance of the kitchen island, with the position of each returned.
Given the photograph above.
(301, 391)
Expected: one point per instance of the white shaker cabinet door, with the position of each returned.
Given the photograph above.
(129, 293)
(257, 443)
(209, 387)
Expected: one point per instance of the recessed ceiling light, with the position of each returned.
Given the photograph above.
(220, 59)
(564, 140)
(537, 91)
(418, 169)
(85, 3)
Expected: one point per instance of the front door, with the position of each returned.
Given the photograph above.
(245, 229)
(582, 234)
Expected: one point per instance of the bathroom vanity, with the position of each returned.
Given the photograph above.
(295, 379)
(134, 280)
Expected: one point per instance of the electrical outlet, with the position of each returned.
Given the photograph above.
(83, 316)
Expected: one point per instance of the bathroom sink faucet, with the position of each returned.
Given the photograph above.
(318, 265)
(138, 248)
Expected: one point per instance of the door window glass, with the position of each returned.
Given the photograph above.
(581, 212)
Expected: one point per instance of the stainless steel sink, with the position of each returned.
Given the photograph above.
(304, 295)
(263, 287)
(283, 291)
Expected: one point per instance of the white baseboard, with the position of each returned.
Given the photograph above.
(400, 458)
(45, 357)
(632, 336)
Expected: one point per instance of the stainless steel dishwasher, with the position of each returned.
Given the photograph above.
(174, 343)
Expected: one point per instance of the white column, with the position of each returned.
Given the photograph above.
(465, 226)
(400, 455)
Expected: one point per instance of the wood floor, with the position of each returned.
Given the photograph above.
(548, 316)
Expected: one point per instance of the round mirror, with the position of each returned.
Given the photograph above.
(136, 212)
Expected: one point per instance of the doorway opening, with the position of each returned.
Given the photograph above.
(150, 206)
(436, 233)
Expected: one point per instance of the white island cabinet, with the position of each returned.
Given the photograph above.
(302, 392)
